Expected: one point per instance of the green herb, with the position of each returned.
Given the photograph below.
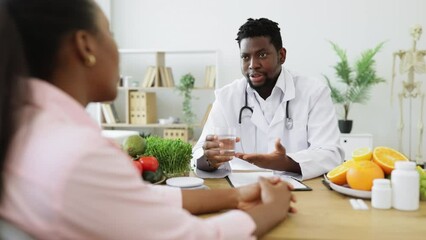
(174, 155)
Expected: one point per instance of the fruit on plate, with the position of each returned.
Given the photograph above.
(422, 175)
(362, 154)
(134, 145)
(338, 174)
(386, 157)
(361, 174)
(149, 163)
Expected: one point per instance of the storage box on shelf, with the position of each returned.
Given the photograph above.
(176, 133)
(148, 90)
(142, 107)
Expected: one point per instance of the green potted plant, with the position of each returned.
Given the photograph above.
(185, 87)
(357, 81)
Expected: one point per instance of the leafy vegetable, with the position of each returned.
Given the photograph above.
(174, 155)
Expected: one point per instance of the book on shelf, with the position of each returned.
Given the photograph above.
(169, 76)
(163, 79)
(160, 76)
(149, 77)
(210, 76)
(107, 112)
(158, 82)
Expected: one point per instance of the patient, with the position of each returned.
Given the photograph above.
(60, 178)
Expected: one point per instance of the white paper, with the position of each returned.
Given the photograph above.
(241, 165)
(244, 178)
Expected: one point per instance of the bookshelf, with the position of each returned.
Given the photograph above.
(157, 72)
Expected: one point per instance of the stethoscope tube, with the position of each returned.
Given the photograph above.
(288, 119)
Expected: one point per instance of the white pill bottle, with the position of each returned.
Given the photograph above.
(405, 186)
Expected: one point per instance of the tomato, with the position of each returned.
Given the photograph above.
(138, 166)
(149, 163)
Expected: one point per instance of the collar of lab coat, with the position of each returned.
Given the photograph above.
(285, 81)
(289, 92)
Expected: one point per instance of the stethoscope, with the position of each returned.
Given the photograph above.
(288, 119)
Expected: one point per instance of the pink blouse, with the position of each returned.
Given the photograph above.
(65, 181)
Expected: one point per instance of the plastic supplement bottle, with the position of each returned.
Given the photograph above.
(405, 186)
(381, 194)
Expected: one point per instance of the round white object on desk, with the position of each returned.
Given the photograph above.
(185, 182)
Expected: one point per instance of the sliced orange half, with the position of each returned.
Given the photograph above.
(362, 154)
(338, 174)
(386, 157)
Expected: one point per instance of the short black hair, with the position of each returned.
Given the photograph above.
(261, 27)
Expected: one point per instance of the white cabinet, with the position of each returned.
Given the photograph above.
(350, 142)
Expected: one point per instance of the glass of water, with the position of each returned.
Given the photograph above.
(226, 136)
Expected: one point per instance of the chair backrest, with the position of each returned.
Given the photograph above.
(10, 232)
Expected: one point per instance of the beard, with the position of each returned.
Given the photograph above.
(269, 83)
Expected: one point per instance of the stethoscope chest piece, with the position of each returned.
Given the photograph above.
(289, 123)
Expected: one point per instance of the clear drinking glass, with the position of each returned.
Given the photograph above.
(226, 136)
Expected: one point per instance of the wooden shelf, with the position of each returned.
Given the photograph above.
(136, 69)
(161, 88)
(151, 125)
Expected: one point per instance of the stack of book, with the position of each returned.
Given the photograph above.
(158, 77)
(110, 113)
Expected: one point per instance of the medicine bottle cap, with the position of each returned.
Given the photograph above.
(405, 165)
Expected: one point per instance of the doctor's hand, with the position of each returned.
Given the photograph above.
(276, 160)
(213, 153)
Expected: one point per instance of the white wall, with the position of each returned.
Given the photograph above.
(305, 26)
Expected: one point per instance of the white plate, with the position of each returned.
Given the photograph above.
(346, 190)
(185, 182)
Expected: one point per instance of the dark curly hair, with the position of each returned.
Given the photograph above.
(261, 27)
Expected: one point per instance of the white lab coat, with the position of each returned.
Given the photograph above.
(313, 141)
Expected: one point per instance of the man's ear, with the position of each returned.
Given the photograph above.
(86, 47)
(283, 54)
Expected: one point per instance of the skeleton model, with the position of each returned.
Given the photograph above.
(411, 62)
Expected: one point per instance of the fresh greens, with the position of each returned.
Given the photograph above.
(174, 155)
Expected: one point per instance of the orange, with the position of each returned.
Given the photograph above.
(338, 174)
(362, 154)
(386, 157)
(361, 174)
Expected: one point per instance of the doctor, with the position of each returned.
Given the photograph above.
(284, 121)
